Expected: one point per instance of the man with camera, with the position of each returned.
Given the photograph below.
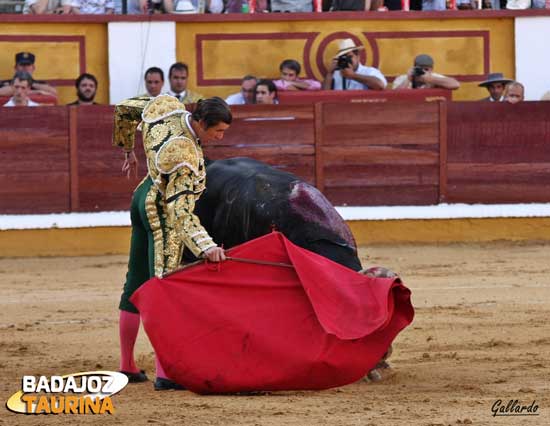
(347, 73)
(421, 76)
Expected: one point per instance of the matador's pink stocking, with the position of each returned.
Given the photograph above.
(128, 329)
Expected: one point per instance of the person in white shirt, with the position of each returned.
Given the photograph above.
(39, 7)
(421, 76)
(246, 95)
(94, 7)
(347, 73)
(21, 84)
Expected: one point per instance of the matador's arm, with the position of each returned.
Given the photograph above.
(180, 218)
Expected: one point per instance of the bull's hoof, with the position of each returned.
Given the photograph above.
(378, 272)
(379, 374)
(382, 370)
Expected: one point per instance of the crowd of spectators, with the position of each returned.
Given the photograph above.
(345, 72)
(262, 6)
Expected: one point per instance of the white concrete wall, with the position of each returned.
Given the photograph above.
(134, 47)
(533, 55)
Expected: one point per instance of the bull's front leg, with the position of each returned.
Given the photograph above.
(382, 370)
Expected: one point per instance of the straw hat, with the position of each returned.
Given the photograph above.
(347, 45)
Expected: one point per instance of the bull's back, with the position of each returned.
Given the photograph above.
(245, 199)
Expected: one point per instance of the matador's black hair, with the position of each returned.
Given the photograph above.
(212, 111)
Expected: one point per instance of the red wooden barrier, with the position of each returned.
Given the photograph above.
(101, 183)
(60, 159)
(373, 154)
(282, 136)
(498, 153)
(34, 147)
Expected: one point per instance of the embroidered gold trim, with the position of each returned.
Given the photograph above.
(127, 118)
(178, 152)
(154, 222)
(161, 107)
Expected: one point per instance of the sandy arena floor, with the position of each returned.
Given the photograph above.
(481, 333)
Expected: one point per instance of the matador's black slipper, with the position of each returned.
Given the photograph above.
(162, 384)
(135, 377)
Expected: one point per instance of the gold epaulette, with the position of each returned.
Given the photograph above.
(161, 107)
(178, 152)
(127, 118)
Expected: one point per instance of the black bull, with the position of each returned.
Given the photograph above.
(245, 199)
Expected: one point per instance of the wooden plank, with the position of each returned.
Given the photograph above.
(483, 132)
(505, 173)
(103, 187)
(382, 175)
(34, 193)
(14, 136)
(494, 193)
(38, 154)
(73, 157)
(522, 153)
(377, 114)
(46, 118)
(319, 142)
(254, 151)
(368, 155)
(35, 153)
(442, 152)
(382, 195)
(377, 134)
(498, 153)
(252, 112)
(260, 133)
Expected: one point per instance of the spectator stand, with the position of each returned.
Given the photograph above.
(480, 42)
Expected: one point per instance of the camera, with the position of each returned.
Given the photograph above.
(154, 6)
(344, 62)
(418, 71)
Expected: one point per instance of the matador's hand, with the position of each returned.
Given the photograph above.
(214, 254)
(130, 164)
